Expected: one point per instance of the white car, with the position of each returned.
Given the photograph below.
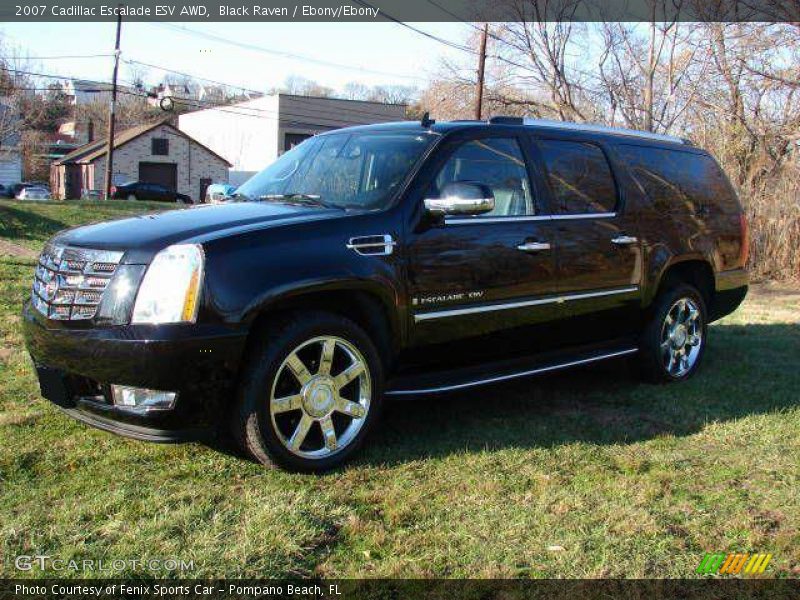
(34, 193)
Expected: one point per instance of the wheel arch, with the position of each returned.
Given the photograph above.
(371, 307)
(694, 270)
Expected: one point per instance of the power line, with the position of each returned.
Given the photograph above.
(351, 110)
(444, 41)
(283, 54)
(421, 32)
(240, 110)
(59, 57)
(189, 75)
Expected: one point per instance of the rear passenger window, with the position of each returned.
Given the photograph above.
(580, 177)
(672, 177)
(497, 163)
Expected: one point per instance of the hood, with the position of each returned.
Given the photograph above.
(145, 234)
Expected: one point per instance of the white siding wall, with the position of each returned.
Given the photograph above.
(247, 139)
(251, 135)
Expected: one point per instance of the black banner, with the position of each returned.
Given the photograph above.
(403, 10)
(381, 589)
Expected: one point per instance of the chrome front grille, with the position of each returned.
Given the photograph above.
(69, 282)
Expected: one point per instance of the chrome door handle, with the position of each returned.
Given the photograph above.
(533, 246)
(624, 240)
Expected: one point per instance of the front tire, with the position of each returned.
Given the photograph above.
(310, 393)
(673, 341)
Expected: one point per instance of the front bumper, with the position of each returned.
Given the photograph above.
(77, 366)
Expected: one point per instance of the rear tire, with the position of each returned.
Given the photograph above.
(310, 392)
(132, 197)
(673, 340)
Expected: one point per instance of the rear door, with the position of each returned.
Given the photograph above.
(489, 275)
(599, 253)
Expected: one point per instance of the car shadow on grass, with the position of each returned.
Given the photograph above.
(747, 370)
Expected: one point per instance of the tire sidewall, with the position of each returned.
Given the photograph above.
(652, 341)
(263, 440)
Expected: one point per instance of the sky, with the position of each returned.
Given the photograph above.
(399, 54)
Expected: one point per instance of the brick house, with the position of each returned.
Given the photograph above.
(155, 152)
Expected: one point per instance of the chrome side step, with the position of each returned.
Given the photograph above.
(515, 375)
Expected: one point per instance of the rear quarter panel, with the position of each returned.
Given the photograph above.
(689, 227)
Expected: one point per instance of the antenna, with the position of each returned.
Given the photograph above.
(426, 120)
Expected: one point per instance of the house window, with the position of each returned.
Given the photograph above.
(160, 146)
(293, 139)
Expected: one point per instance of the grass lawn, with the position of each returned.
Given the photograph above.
(583, 474)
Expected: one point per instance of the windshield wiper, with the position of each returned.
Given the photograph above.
(312, 199)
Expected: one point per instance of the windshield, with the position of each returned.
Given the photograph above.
(345, 170)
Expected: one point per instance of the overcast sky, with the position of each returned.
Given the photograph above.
(397, 52)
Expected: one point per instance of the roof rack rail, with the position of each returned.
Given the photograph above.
(565, 125)
(569, 126)
(501, 120)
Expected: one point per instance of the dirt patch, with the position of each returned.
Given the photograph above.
(11, 249)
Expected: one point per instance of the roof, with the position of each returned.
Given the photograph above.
(376, 102)
(94, 150)
(541, 126)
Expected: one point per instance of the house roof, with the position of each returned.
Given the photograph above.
(94, 150)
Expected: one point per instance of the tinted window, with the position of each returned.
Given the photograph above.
(497, 163)
(580, 177)
(672, 177)
(350, 170)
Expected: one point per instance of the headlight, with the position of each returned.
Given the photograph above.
(170, 290)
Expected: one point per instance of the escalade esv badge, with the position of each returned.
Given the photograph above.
(386, 261)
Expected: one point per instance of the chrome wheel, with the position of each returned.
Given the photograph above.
(320, 397)
(681, 337)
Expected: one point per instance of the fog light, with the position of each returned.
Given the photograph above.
(142, 398)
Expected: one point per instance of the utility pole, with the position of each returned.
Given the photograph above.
(481, 68)
(111, 116)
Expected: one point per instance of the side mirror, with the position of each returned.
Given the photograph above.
(462, 198)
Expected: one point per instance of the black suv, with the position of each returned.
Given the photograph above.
(388, 260)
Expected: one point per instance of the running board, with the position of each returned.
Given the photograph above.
(411, 390)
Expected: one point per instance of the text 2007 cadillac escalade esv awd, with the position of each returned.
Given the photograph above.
(388, 260)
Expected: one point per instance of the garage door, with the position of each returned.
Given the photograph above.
(164, 173)
(10, 170)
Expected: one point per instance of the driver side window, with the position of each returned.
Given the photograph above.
(497, 163)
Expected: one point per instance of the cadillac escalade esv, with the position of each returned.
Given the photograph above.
(388, 260)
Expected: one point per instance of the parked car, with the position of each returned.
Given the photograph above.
(142, 190)
(219, 192)
(91, 194)
(15, 190)
(389, 260)
(33, 193)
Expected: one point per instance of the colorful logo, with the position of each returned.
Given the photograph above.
(733, 564)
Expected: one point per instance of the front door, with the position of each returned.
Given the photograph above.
(599, 254)
(479, 281)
